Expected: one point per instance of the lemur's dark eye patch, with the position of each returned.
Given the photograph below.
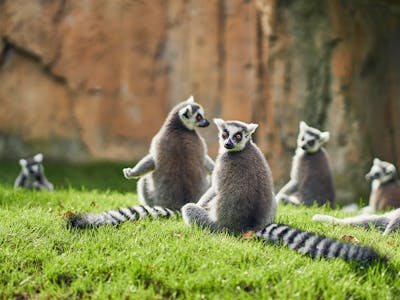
(314, 135)
(186, 114)
(199, 117)
(225, 134)
(238, 136)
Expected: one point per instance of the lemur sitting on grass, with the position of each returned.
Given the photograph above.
(385, 193)
(176, 170)
(32, 174)
(310, 177)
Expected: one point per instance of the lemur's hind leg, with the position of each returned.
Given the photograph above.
(194, 214)
(144, 190)
(394, 224)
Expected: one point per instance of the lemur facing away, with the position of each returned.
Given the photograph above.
(310, 177)
(241, 198)
(176, 170)
(385, 193)
(32, 174)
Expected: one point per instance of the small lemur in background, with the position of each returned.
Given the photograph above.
(310, 176)
(385, 193)
(176, 170)
(241, 198)
(32, 174)
(385, 186)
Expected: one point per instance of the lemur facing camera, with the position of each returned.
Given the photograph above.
(32, 174)
(310, 177)
(385, 194)
(176, 170)
(241, 199)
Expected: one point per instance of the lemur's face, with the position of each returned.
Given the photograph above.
(311, 139)
(234, 135)
(381, 171)
(192, 115)
(32, 166)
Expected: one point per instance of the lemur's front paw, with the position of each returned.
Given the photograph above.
(286, 199)
(127, 173)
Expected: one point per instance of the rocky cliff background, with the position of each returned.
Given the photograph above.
(94, 79)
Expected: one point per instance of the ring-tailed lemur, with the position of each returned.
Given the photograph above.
(32, 174)
(385, 186)
(385, 193)
(241, 198)
(176, 170)
(310, 176)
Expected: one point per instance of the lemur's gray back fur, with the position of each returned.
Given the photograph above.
(176, 170)
(311, 177)
(385, 193)
(32, 174)
(240, 198)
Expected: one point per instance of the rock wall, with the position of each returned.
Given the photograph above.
(93, 79)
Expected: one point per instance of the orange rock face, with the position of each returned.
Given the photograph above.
(94, 79)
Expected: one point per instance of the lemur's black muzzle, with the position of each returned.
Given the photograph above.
(203, 123)
(229, 145)
(371, 177)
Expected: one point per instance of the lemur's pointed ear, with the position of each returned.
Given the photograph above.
(392, 168)
(251, 128)
(190, 99)
(303, 125)
(376, 161)
(325, 136)
(22, 162)
(38, 157)
(219, 122)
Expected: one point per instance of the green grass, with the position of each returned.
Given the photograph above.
(163, 259)
(98, 175)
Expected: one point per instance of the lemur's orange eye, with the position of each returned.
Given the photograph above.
(238, 136)
(225, 134)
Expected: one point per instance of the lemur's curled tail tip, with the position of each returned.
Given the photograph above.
(77, 221)
(319, 246)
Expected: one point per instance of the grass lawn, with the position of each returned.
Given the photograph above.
(162, 259)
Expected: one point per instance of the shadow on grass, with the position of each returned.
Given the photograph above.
(101, 176)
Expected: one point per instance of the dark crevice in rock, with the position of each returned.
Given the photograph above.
(221, 51)
(5, 52)
(259, 114)
(59, 14)
(10, 47)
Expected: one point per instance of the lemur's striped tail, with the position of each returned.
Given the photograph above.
(317, 245)
(115, 217)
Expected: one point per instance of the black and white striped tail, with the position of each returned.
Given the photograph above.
(318, 246)
(115, 217)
